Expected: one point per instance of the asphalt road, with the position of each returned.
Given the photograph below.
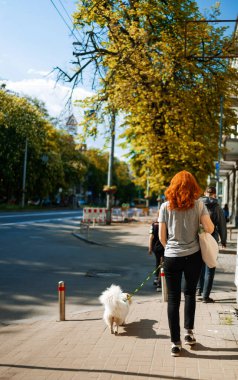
(38, 251)
(36, 254)
(10, 218)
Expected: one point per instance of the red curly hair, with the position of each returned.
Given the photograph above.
(182, 191)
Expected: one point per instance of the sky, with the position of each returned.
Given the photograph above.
(35, 38)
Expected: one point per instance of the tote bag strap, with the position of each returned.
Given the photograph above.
(200, 208)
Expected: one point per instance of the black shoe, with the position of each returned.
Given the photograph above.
(208, 300)
(175, 350)
(155, 282)
(189, 339)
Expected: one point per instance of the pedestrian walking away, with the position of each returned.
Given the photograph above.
(220, 230)
(226, 213)
(157, 249)
(178, 232)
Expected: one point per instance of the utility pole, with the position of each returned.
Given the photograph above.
(219, 147)
(24, 175)
(110, 166)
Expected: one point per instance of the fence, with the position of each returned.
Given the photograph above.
(120, 213)
(99, 214)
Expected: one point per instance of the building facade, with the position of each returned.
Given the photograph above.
(229, 163)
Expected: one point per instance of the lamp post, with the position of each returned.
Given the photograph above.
(219, 147)
(147, 193)
(110, 166)
(24, 174)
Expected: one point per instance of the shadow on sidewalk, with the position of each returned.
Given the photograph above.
(201, 347)
(93, 371)
(222, 353)
(142, 329)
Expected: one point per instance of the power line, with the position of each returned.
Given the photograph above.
(65, 10)
(62, 17)
(69, 16)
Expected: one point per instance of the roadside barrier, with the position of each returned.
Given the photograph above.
(95, 215)
(61, 295)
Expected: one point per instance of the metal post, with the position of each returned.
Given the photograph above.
(164, 286)
(147, 193)
(24, 175)
(61, 293)
(110, 166)
(219, 146)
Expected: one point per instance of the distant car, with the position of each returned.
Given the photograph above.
(34, 202)
(46, 202)
(81, 202)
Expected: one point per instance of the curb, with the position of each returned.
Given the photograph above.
(87, 241)
(84, 239)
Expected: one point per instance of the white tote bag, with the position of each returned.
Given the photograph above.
(208, 245)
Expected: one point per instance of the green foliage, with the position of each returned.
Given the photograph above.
(52, 160)
(96, 177)
(19, 121)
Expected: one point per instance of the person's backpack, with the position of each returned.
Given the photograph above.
(213, 211)
(157, 246)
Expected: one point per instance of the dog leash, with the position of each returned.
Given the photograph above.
(143, 283)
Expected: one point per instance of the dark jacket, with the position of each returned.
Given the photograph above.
(157, 247)
(218, 218)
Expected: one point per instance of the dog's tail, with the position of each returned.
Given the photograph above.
(111, 295)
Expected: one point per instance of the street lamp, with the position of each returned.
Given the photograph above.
(24, 174)
(110, 166)
(219, 147)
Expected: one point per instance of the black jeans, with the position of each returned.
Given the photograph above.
(174, 268)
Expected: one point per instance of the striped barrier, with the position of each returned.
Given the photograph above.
(94, 215)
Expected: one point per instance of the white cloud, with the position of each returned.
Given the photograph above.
(54, 95)
(42, 73)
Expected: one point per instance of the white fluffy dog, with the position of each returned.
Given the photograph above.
(116, 304)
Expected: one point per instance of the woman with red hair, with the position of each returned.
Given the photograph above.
(179, 220)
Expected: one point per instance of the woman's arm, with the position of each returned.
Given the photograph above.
(163, 233)
(207, 223)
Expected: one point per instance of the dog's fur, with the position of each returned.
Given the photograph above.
(116, 304)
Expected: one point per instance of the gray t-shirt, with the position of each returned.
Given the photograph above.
(182, 227)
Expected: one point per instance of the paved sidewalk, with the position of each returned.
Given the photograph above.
(83, 348)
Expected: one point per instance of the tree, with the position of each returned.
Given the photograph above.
(52, 160)
(19, 121)
(96, 178)
(171, 101)
(123, 180)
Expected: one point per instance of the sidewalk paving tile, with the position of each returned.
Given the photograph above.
(82, 347)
